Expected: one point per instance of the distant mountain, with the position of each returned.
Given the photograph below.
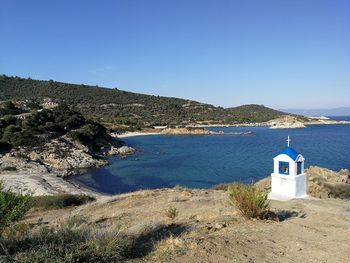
(341, 111)
(121, 108)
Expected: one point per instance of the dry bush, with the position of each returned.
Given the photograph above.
(249, 200)
(70, 242)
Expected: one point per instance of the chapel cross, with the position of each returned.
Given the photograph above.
(288, 141)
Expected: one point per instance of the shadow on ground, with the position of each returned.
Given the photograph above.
(282, 215)
(144, 244)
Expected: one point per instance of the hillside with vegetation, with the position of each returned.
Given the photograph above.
(41, 126)
(118, 109)
(38, 140)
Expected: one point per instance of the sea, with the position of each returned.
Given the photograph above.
(203, 161)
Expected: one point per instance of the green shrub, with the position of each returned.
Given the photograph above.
(59, 121)
(249, 200)
(12, 207)
(171, 212)
(8, 108)
(88, 132)
(13, 135)
(60, 201)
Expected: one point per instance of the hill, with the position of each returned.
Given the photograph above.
(119, 108)
(341, 111)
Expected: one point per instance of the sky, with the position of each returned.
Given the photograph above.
(282, 54)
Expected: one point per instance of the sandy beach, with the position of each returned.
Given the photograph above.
(133, 134)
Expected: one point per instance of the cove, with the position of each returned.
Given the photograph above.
(206, 160)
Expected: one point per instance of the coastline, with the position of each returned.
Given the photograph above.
(84, 188)
(141, 133)
(39, 179)
(45, 183)
(133, 134)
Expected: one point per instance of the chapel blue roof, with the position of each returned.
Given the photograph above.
(290, 152)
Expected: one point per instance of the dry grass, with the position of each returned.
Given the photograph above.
(249, 200)
(72, 241)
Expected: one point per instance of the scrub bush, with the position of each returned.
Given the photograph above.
(171, 212)
(250, 201)
(65, 243)
(12, 207)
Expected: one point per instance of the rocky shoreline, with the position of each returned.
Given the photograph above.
(47, 170)
(50, 169)
(198, 131)
(40, 175)
(284, 122)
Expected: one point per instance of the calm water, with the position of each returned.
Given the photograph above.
(340, 118)
(204, 161)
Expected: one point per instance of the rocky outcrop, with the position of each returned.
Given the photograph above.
(294, 122)
(286, 122)
(21, 175)
(44, 170)
(10, 163)
(325, 183)
(63, 154)
(125, 150)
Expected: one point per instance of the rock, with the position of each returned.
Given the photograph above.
(219, 226)
(126, 150)
(178, 242)
(285, 122)
(345, 174)
(62, 154)
(34, 156)
(112, 151)
(21, 164)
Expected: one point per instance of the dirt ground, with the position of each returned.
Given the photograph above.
(209, 229)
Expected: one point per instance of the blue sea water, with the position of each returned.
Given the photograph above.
(339, 118)
(204, 161)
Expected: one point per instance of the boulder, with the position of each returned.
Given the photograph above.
(126, 150)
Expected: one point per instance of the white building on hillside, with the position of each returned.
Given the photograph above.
(288, 179)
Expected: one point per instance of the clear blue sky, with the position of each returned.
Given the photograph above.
(280, 53)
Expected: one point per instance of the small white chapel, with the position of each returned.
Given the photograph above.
(288, 179)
